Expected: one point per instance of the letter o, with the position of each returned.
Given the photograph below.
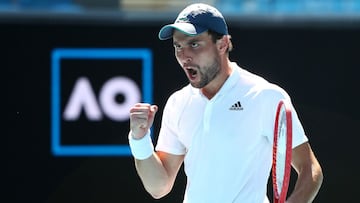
(107, 97)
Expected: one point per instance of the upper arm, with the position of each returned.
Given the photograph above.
(171, 163)
(303, 158)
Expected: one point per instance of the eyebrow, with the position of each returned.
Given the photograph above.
(194, 40)
(191, 41)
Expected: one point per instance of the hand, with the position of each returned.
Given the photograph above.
(141, 119)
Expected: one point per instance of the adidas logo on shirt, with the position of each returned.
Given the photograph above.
(237, 106)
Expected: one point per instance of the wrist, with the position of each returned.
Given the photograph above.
(141, 148)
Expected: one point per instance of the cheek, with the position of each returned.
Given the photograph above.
(176, 53)
(177, 57)
(205, 55)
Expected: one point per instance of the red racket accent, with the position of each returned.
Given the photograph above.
(279, 194)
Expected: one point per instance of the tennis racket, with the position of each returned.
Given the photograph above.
(282, 148)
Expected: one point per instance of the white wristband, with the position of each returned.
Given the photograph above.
(141, 148)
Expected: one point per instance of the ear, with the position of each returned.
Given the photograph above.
(223, 44)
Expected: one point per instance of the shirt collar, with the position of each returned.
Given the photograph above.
(228, 84)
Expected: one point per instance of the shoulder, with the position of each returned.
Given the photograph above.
(181, 95)
(178, 99)
(259, 86)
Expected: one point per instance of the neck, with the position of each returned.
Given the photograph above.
(214, 86)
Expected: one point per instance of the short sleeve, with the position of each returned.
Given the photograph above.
(168, 140)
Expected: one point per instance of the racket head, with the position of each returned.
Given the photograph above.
(282, 148)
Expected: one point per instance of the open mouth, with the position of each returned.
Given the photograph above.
(192, 73)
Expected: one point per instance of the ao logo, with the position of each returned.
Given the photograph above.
(82, 98)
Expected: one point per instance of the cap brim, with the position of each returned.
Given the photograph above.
(167, 31)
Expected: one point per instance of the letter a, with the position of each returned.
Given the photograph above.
(82, 96)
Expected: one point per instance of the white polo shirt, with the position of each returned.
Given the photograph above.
(227, 141)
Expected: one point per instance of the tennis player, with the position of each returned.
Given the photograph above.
(220, 125)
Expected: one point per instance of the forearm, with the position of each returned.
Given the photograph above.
(149, 166)
(154, 176)
(307, 185)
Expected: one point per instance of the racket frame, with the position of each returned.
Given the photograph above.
(281, 197)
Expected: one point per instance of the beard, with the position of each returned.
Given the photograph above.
(206, 74)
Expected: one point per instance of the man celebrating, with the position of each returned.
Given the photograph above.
(220, 125)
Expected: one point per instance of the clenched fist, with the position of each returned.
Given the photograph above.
(141, 119)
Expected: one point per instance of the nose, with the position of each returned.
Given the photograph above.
(186, 60)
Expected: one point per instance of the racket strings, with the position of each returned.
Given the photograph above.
(281, 151)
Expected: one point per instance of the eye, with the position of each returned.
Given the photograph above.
(177, 47)
(194, 44)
